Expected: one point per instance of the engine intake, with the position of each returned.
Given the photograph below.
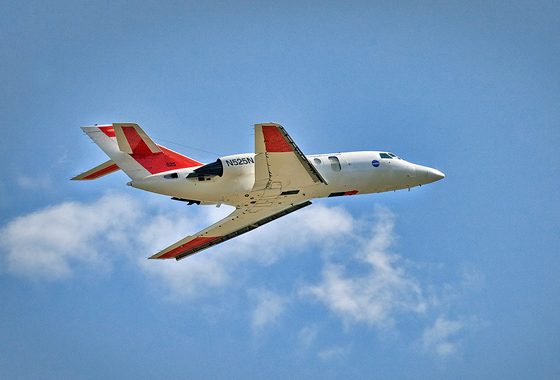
(214, 168)
(228, 166)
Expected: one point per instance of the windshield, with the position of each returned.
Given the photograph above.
(389, 155)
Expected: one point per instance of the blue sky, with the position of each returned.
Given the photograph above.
(457, 279)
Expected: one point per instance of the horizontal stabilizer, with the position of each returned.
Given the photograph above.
(98, 171)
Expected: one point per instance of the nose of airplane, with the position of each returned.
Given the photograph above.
(428, 175)
(434, 175)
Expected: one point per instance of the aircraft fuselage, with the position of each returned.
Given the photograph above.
(347, 173)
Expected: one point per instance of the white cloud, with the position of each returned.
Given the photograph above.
(335, 353)
(386, 289)
(212, 268)
(291, 234)
(307, 336)
(437, 339)
(472, 278)
(47, 243)
(202, 274)
(362, 281)
(53, 242)
(269, 306)
(35, 182)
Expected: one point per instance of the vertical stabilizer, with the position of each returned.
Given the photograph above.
(133, 151)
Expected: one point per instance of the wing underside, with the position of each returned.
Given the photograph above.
(237, 223)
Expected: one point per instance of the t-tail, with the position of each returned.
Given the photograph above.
(130, 149)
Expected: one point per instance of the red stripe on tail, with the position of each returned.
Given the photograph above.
(164, 161)
(108, 130)
(136, 143)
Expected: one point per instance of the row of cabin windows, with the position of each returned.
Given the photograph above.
(335, 162)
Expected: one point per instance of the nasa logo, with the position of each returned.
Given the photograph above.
(375, 163)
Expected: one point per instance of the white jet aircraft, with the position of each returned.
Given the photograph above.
(263, 186)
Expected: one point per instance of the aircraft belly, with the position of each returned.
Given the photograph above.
(212, 189)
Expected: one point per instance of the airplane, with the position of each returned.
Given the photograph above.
(274, 181)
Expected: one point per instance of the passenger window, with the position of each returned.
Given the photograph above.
(335, 163)
(317, 161)
(384, 155)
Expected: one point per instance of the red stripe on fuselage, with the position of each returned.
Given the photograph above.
(353, 192)
(274, 140)
(102, 172)
(197, 242)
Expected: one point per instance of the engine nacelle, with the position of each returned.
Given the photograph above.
(228, 166)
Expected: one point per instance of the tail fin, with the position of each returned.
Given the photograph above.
(131, 150)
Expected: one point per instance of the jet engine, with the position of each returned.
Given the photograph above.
(228, 166)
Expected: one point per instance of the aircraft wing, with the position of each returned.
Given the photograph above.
(279, 161)
(238, 222)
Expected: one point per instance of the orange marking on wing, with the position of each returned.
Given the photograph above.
(197, 242)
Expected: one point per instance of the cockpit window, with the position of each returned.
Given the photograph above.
(171, 176)
(389, 155)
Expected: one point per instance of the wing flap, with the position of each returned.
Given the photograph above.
(237, 223)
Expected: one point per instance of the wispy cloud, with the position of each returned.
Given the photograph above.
(50, 242)
(213, 268)
(307, 336)
(441, 338)
(335, 353)
(268, 307)
(35, 182)
(361, 280)
(376, 296)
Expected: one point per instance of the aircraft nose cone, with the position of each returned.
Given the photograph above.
(434, 175)
(428, 175)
